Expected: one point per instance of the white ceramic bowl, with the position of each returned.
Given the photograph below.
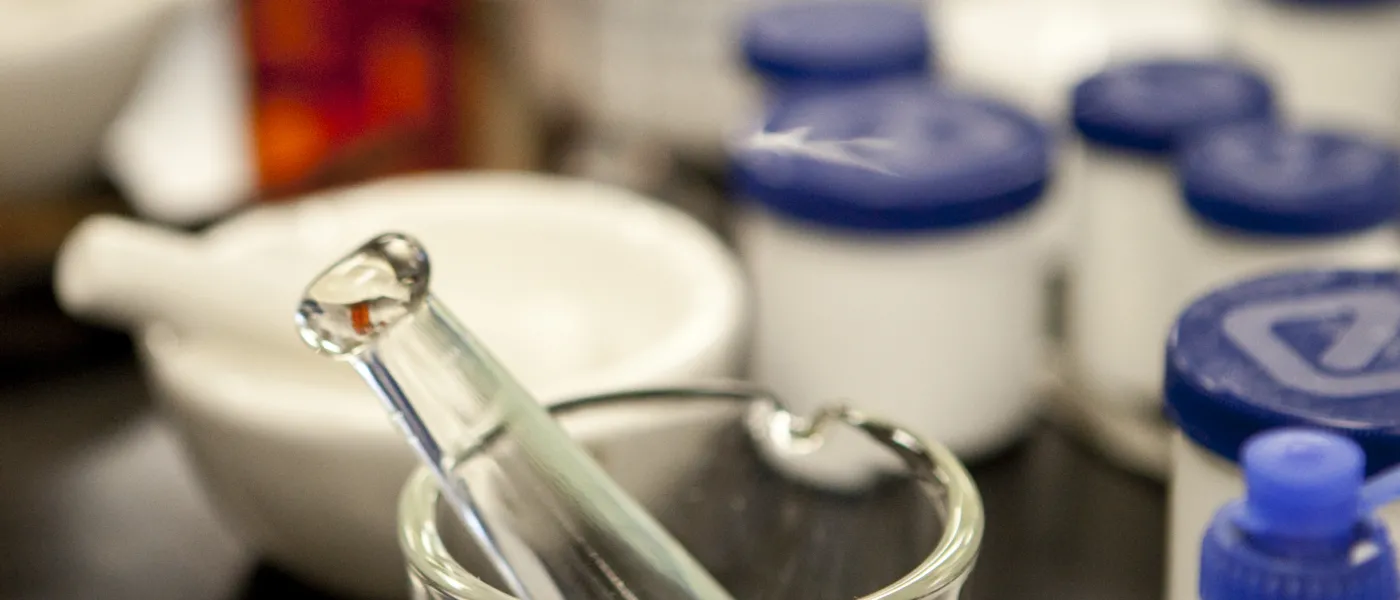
(578, 287)
(66, 67)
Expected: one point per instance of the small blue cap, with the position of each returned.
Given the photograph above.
(1306, 348)
(1263, 178)
(895, 157)
(1299, 534)
(1304, 490)
(843, 40)
(1151, 106)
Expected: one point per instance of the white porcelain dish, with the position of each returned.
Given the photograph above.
(579, 287)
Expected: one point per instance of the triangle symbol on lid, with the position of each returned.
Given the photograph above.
(1340, 369)
(1311, 337)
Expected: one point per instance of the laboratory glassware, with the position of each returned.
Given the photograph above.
(699, 458)
(442, 388)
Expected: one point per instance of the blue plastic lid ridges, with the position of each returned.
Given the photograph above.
(1232, 568)
(836, 40)
(1315, 348)
(1266, 178)
(1152, 105)
(892, 158)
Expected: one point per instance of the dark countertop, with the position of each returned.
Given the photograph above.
(96, 501)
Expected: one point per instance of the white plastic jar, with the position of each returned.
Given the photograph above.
(1262, 196)
(1032, 52)
(1316, 348)
(896, 249)
(1336, 63)
(658, 109)
(676, 72)
(1131, 118)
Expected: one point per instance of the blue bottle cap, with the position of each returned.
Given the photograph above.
(840, 40)
(1299, 534)
(1304, 490)
(896, 157)
(1261, 177)
(1150, 106)
(1305, 348)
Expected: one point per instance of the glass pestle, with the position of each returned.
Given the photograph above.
(373, 309)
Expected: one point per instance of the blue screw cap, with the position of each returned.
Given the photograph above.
(836, 40)
(1300, 533)
(1269, 179)
(1304, 490)
(893, 159)
(1150, 106)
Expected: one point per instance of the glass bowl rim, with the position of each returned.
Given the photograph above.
(947, 566)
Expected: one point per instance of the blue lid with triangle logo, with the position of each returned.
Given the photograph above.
(1311, 348)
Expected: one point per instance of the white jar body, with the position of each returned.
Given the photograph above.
(1205, 256)
(1114, 329)
(1202, 482)
(667, 70)
(1331, 66)
(1033, 52)
(937, 332)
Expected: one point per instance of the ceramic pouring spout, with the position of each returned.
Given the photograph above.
(126, 274)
